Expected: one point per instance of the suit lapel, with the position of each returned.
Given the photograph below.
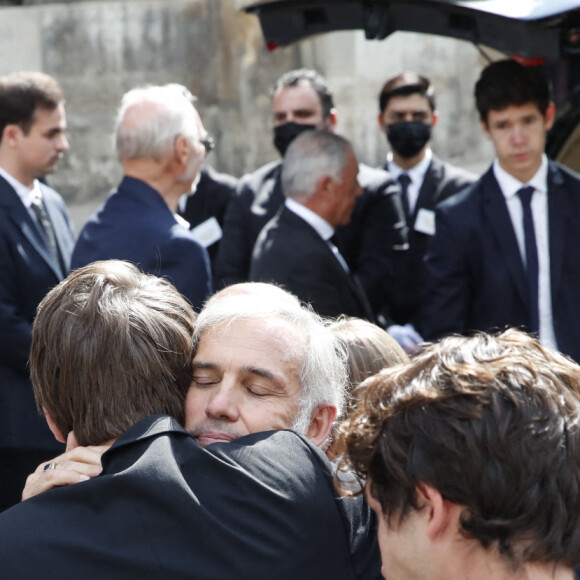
(500, 223)
(428, 191)
(350, 279)
(61, 231)
(28, 228)
(558, 222)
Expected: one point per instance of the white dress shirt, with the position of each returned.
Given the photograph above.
(322, 227)
(416, 175)
(25, 193)
(509, 186)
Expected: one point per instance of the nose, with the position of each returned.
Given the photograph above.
(222, 404)
(518, 135)
(62, 144)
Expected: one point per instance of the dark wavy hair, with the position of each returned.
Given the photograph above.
(493, 423)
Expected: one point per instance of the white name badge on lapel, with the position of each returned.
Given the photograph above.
(208, 232)
(425, 222)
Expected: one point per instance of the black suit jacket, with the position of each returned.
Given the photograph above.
(291, 253)
(404, 297)
(371, 243)
(261, 507)
(476, 279)
(211, 199)
(28, 271)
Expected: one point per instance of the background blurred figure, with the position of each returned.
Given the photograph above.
(407, 116)
(471, 454)
(205, 209)
(160, 143)
(369, 349)
(297, 249)
(376, 234)
(36, 242)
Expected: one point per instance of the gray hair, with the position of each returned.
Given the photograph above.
(323, 374)
(150, 118)
(310, 157)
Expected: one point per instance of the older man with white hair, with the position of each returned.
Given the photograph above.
(263, 362)
(161, 144)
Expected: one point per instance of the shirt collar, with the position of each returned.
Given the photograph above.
(509, 185)
(24, 193)
(323, 228)
(416, 173)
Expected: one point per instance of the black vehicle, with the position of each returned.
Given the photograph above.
(538, 33)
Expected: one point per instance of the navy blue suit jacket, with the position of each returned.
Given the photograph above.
(476, 278)
(28, 270)
(261, 507)
(135, 224)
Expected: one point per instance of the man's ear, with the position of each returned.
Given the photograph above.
(321, 422)
(181, 150)
(549, 116)
(442, 514)
(485, 128)
(332, 120)
(52, 426)
(435, 119)
(11, 134)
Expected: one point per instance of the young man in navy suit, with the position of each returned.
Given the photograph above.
(36, 241)
(407, 116)
(505, 250)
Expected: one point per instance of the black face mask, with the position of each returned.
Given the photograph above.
(408, 138)
(285, 134)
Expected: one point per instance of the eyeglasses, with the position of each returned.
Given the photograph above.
(208, 143)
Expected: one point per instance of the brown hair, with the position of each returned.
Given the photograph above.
(111, 346)
(21, 93)
(369, 348)
(405, 84)
(493, 423)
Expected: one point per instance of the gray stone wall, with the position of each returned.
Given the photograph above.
(98, 50)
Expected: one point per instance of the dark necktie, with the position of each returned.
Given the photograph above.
(404, 181)
(43, 220)
(525, 195)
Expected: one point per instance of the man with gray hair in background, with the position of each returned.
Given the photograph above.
(296, 249)
(160, 142)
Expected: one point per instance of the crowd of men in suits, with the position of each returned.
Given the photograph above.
(420, 247)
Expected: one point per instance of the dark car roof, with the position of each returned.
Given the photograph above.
(530, 28)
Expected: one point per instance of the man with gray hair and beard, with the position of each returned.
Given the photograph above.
(161, 144)
(297, 249)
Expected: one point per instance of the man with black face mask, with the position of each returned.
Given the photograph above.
(371, 243)
(407, 116)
